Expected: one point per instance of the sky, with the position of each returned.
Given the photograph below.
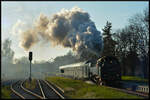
(116, 12)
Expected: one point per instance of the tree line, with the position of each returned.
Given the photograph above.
(130, 44)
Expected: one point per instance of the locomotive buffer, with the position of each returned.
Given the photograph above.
(30, 58)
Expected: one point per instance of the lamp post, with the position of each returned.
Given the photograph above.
(30, 58)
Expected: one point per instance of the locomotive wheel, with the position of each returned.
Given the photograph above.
(100, 83)
(103, 83)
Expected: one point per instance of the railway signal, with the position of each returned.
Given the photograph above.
(30, 58)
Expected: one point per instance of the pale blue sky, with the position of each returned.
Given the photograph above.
(115, 12)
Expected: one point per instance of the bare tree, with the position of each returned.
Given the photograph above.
(7, 52)
(132, 42)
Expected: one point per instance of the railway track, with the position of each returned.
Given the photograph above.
(127, 91)
(47, 90)
(36, 94)
(20, 92)
(131, 92)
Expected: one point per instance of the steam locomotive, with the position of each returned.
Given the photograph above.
(107, 71)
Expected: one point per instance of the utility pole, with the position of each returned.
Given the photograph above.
(30, 58)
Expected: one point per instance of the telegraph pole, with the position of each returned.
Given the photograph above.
(30, 58)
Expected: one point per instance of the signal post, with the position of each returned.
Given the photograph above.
(30, 58)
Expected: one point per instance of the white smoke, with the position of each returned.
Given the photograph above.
(70, 28)
(18, 27)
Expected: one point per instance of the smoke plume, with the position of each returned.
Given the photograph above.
(70, 28)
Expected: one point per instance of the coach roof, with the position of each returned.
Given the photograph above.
(73, 65)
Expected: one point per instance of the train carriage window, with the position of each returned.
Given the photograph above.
(62, 71)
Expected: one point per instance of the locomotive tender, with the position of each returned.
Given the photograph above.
(107, 70)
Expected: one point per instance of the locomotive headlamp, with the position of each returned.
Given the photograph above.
(111, 61)
(62, 71)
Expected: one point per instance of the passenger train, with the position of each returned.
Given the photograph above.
(106, 69)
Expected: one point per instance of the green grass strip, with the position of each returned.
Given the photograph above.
(134, 78)
(31, 85)
(5, 92)
(78, 89)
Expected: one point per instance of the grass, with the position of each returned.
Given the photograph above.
(31, 85)
(134, 78)
(78, 89)
(5, 92)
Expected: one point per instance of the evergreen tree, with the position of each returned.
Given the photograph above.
(109, 43)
